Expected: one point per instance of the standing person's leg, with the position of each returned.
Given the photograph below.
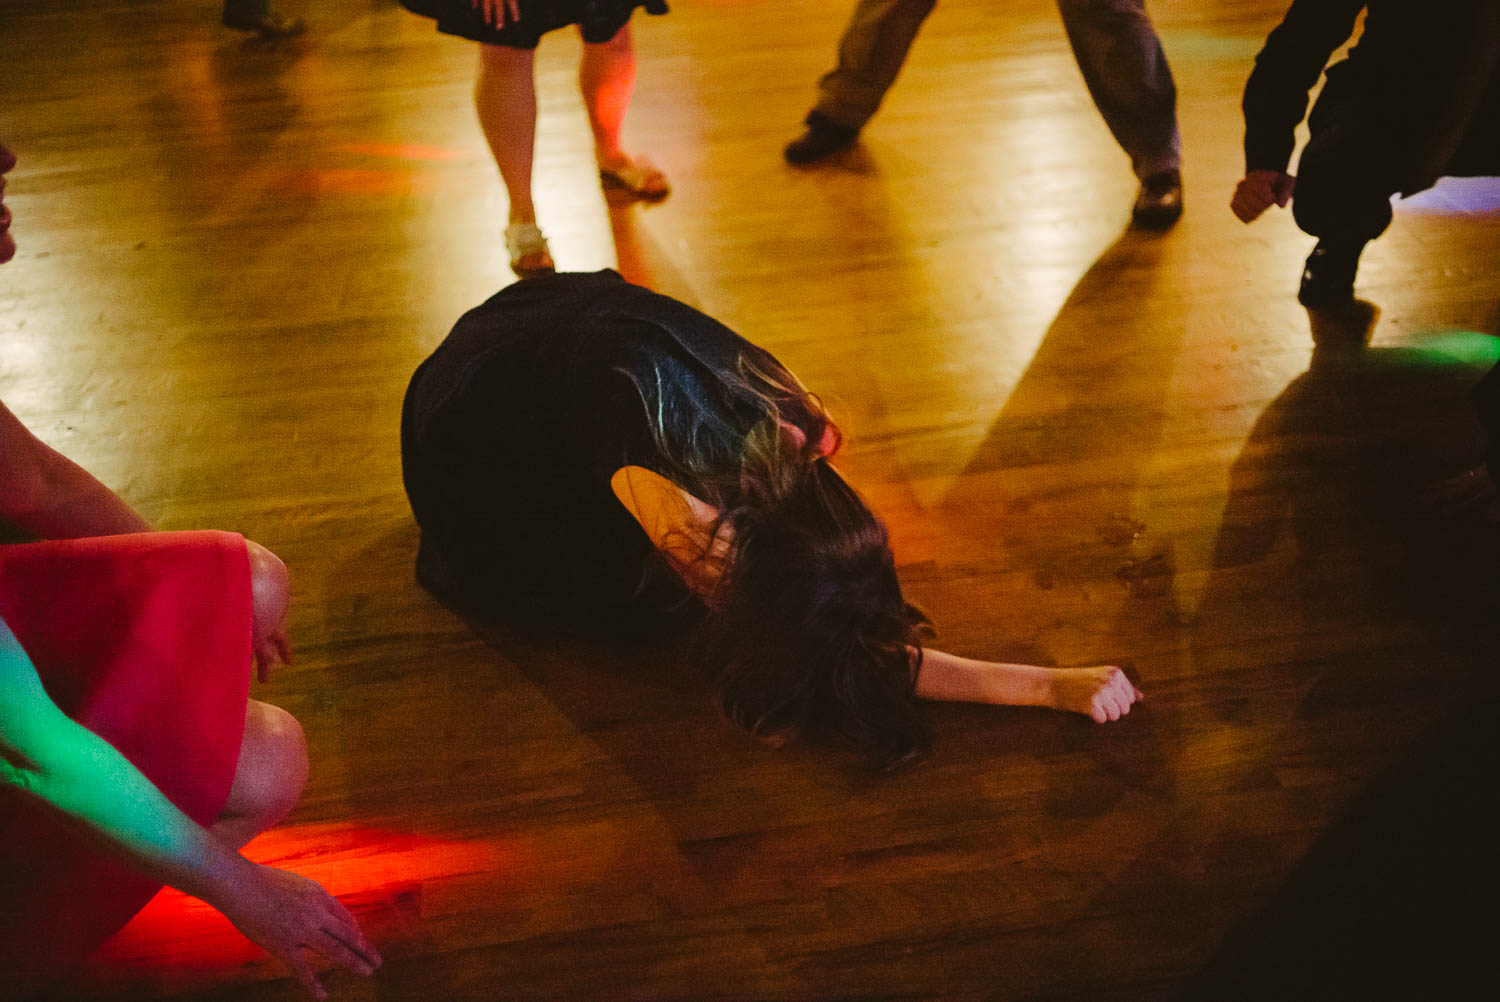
(1345, 178)
(1478, 153)
(871, 52)
(505, 98)
(1127, 75)
(606, 77)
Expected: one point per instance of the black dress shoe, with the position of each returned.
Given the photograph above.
(824, 137)
(1159, 202)
(264, 21)
(1328, 275)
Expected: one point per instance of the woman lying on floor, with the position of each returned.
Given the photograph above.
(575, 428)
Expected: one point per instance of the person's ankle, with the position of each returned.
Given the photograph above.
(1328, 275)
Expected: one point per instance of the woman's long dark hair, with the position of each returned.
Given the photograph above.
(807, 632)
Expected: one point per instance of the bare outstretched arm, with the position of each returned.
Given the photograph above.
(675, 521)
(50, 496)
(1102, 692)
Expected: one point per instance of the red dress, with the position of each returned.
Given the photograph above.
(145, 640)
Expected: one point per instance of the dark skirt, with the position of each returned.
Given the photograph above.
(600, 20)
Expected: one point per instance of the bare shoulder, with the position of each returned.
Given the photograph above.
(21, 467)
(663, 508)
(13, 433)
(676, 522)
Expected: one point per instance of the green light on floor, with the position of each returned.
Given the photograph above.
(1454, 347)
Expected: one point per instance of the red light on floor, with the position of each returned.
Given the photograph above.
(179, 943)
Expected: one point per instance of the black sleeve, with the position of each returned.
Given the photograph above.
(1294, 55)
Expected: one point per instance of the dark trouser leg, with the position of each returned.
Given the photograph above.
(871, 51)
(1348, 171)
(1345, 179)
(1127, 75)
(1478, 155)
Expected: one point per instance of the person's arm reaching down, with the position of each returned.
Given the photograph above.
(67, 769)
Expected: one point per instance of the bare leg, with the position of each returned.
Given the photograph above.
(273, 754)
(270, 596)
(269, 777)
(505, 97)
(606, 77)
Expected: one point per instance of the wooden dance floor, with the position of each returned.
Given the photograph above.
(1092, 445)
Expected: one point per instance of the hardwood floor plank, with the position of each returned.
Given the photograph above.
(1092, 445)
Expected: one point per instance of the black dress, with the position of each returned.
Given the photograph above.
(599, 19)
(513, 427)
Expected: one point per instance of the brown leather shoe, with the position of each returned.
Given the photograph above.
(1159, 202)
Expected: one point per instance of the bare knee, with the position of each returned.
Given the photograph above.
(281, 751)
(272, 769)
(270, 590)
